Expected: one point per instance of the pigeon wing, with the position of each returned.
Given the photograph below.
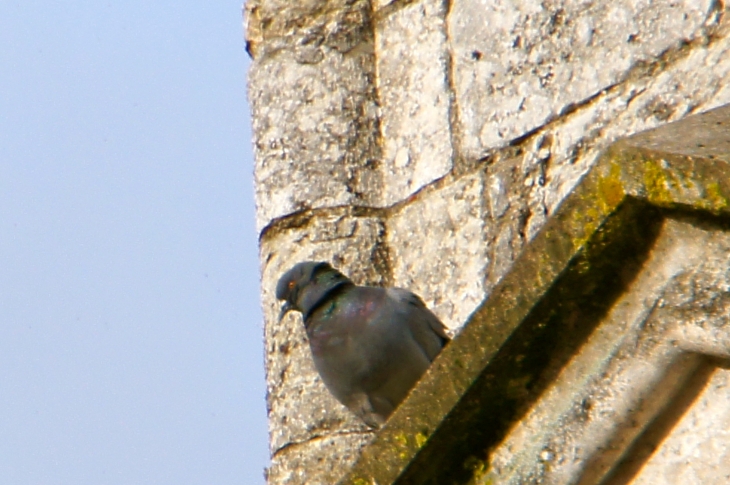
(426, 328)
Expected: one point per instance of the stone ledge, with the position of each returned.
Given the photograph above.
(562, 291)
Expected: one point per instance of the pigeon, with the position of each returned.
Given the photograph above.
(370, 345)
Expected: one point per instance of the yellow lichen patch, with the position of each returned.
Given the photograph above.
(715, 196)
(478, 469)
(583, 266)
(585, 224)
(656, 183)
(421, 439)
(474, 464)
(607, 195)
(402, 442)
(611, 189)
(360, 481)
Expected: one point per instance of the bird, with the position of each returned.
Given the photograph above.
(369, 344)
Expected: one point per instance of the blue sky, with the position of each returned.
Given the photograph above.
(130, 327)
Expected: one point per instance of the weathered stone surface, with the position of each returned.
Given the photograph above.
(301, 410)
(605, 332)
(321, 461)
(412, 80)
(440, 247)
(632, 368)
(696, 452)
(305, 27)
(313, 97)
(515, 213)
(686, 80)
(518, 65)
(695, 81)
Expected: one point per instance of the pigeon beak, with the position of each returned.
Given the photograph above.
(285, 308)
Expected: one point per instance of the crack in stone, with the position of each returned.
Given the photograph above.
(453, 110)
(316, 437)
(381, 13)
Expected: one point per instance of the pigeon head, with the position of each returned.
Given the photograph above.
(307, 285)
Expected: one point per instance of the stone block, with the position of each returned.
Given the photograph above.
(696, 451)
(314, 107)
(414, 96)
(632, 371)
(691, 83)
(321, 461)
(439, 247)
(518, 65)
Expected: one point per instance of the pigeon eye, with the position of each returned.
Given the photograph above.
(291, 285)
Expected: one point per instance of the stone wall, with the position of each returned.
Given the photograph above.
(601, 357)
(423, 143)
